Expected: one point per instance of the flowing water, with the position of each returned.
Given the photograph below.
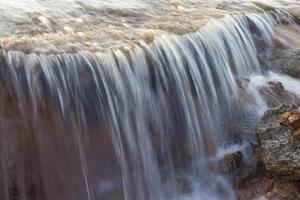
(49, 26)
(149, 121)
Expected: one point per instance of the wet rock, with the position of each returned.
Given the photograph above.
(279, 150)
(286, 61)
(264, 7)
(231, 162)
(280, 42)
(269, 189)
(297, 134)
(275, 94)
(291, 118)
(295, 12)
(284, 191)
(277, 86)
(257, 188)
(244, 166)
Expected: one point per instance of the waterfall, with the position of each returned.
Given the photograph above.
(131, 124)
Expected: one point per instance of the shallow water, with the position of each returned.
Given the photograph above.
(70, 26)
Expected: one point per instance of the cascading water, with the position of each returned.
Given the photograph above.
(136, 124)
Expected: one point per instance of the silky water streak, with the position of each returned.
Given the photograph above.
(137, 124)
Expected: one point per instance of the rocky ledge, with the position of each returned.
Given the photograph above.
(278, 151)
(286, 61)
(279, 144)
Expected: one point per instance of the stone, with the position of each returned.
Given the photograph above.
(276, 85)
(278, 149)
(296, 134)
(286, 61)
(275, 94)
(295, 12)
(286, 190)
(284, 117)
(291, 119)
(231, 162)
(269, 189)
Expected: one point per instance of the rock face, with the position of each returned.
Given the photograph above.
(292, 119)
(286, 61)
(279, 151)
(279, 148)
(295, 12)
(275, 94)
(297, 134)
(269, 189)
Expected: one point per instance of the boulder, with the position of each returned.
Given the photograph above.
(286, 61)
(279, 150)
(231, 161)
(297, 134)
(243, 164)
(275, 94)
(269, 189)
(291, 118)
(295, 12)
(284, 191)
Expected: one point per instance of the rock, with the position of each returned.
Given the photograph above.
(244, 166)
(231, 162)
(286, 61)
(269, 189)
(286, 36)
(286, 191)
(291, 119)
(275, 94)
(260, 187)
(279, 151)
(277, 86)
(297, 134)
(284, 117)
(264, 7)
(279, 42)
(295, 12)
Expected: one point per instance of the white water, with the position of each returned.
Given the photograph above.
(48, 26)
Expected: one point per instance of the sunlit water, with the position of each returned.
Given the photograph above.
(50, 26)
(151, 120)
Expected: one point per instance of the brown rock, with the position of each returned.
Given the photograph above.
(275, 94)
(231, 161)
(286, 61)
(296, 134)
(265, 186)
(284, 117)
(291, 119)
(257, 188)
(286, 190)
(295, 12)
(279, 152)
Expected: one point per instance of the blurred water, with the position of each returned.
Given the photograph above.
(141, 123)
(48, 26)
